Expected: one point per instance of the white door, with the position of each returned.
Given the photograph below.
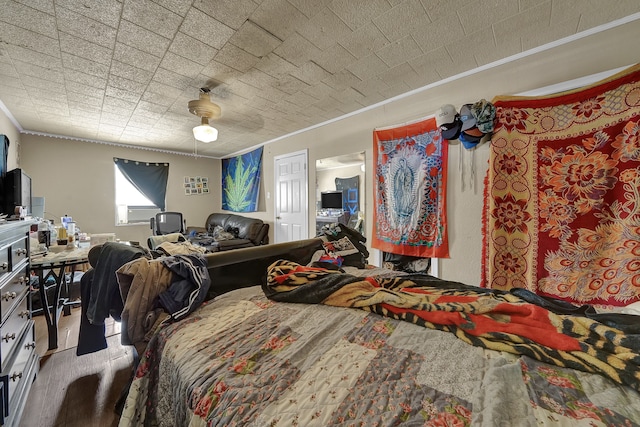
(291, 199)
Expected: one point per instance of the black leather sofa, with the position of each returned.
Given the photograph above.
(248, 266)
(248, 232)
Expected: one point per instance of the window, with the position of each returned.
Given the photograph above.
(141, 189)
(132, 207)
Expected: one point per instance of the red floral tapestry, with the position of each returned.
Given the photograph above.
(410, 190)
(562, 202)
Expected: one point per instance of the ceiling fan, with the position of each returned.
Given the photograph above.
(205, 109)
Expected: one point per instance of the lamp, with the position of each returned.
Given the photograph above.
(205, 109)
(204, 132)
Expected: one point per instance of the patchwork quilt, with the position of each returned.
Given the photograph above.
(243, 359)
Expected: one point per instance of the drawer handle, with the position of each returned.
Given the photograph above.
(16, 376)
(9, 295)
(4, 266)
(30, 345)
(21, 251)
(24, 313)
(8, 337)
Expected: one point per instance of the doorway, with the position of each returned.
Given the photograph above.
(291, 198)
(344, 174)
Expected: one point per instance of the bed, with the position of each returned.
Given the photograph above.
(298, 345)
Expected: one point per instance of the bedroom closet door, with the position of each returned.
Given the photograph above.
(291, 199)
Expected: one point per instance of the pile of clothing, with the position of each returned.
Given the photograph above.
(343, 246)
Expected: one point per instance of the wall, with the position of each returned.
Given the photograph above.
(596, 53)
(326, 180)
(77, 179)
(7, 128)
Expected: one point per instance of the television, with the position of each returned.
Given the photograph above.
(331, 200)
(16, 191)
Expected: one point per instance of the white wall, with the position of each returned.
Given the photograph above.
(326, 179)
(77, 179)
(7, 128)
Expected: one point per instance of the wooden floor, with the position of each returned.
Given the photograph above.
(75, 390)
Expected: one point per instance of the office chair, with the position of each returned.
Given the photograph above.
(167, 223)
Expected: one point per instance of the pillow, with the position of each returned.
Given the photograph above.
(316, 256)
(219, 234)
(341, 247)
(322, 259)
(235, 231)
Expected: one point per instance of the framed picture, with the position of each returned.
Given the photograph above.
(194, 185)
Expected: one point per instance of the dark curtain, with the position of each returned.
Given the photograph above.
(4, 151)
(148, 178)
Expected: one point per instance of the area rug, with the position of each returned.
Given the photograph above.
(562, 194)
(410, 190)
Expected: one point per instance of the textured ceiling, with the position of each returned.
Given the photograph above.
(123, 71)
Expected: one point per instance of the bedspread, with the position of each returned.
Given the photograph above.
(243, 359)
(491, 319)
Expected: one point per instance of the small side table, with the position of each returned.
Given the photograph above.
(54, 264)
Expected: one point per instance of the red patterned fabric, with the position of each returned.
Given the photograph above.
(410, 190)
(562, 202)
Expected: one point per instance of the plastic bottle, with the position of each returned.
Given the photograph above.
(44, 233)
(54, 232)
(65, 220)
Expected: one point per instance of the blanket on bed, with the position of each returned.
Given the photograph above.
(244, 360)
(490, 319)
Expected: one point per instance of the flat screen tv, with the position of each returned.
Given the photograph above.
(16, 191)
(331, 200)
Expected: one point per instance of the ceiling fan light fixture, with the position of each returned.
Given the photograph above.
(204, 132)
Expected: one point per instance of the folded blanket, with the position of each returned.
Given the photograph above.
(487, 318)
(180, 248)
(154, 241)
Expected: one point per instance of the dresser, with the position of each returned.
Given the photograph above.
(18, 357)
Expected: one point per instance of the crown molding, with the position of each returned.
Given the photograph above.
(115, 144)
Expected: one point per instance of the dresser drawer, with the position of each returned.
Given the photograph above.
(19, 376)
(5, 266)
(13, 252)
(12, 330)
(12, 292)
